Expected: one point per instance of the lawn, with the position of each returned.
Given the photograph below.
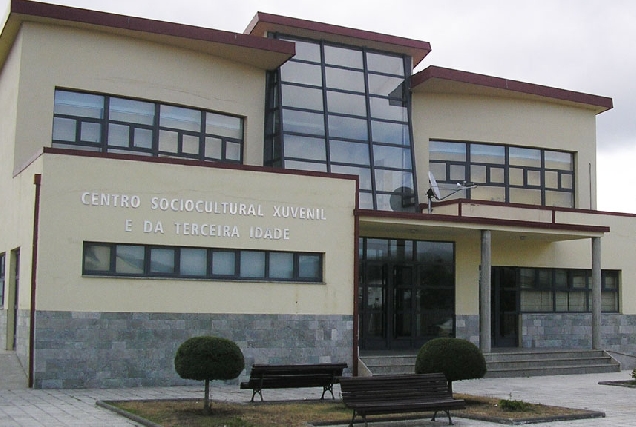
(189, 413)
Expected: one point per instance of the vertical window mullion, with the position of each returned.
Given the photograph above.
(202, 129)
(105, 125)
(155, 130)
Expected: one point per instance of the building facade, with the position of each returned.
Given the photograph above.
(162, 181)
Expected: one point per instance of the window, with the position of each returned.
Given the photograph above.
(113, 259)
(504, 173)
(563, 290)
(344, 109)
(113, 124)
(2, 279)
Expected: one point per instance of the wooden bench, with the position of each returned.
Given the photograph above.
(323, 375)
(390, 394)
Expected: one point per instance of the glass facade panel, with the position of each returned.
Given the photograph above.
(447, 151)
(299, 72)
(392, 157)
(384, 85)
(346, 103)
(481, 153)
(348, 127)
(194, 262)
(224, 126)
(131, 111)
(345, 57)
(525, 157)
(483, 192)
(389, 132)
(281, 265)
(97, 257)
(223, 263)
(78, 104)
(302, 97)
(304, 147)
(133, 126)
(162, 260)
(252, 264)
(525, 196)
(358, 85)
(129, 259)
(385, 63)
(338, 78)
(309, 267)
(304, 122)
(349, 152)
(386, 108)
(180, 118)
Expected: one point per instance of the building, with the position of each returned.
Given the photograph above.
(162, 181)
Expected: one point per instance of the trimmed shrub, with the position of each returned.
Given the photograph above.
(458, 359)
(207, 359)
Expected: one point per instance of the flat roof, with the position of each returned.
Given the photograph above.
(434, 79)
(264, 23)
(255, 51)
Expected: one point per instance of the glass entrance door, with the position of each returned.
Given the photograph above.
(406, 293)
(505, 307)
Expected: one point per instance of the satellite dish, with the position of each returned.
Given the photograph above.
(433, 191)
(434, 186)
(402, 199)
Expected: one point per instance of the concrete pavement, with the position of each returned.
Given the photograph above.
(52, 408)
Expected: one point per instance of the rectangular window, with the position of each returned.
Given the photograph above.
(562, 290)
(504, 173)
(113, 259)
(119, 125)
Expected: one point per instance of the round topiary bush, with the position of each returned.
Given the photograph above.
(208, 358)
(458, 359)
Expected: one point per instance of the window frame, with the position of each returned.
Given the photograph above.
(210, 273)
(509, 168)
(156, 128)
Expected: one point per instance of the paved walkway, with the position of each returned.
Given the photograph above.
(52, 408)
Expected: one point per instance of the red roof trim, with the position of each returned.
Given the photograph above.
(434, 72)
(418, 48)
(66, 13)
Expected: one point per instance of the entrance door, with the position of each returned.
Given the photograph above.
(387, 306)
(505, 307)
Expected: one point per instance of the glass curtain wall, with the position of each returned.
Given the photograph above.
(344, 109)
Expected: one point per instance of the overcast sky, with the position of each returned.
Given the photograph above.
(579, 45)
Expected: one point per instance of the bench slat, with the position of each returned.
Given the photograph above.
(397, 394)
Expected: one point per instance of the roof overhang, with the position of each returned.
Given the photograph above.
(264, 23)
(435, 79)
(450, 227)
(254, 51)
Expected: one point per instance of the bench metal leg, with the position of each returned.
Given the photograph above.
(450, 422)
(327, 388)
(254, 391)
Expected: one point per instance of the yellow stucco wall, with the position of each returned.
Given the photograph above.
(69, 217)
(508, 121)
(92, 61)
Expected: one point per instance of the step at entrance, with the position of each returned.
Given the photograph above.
(557, 362)
(510, 364)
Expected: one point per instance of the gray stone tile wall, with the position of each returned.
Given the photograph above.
(467, 327)
(100, 350)
(574, 330)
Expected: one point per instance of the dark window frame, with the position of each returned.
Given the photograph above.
(402, 198)
(105, 122)
(570, 288)
(467, 164)
(2, 278)
(210, 275)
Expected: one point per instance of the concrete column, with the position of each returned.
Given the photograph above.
(484, 293)
(596, 293)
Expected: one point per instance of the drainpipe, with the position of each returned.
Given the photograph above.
(37, 178)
